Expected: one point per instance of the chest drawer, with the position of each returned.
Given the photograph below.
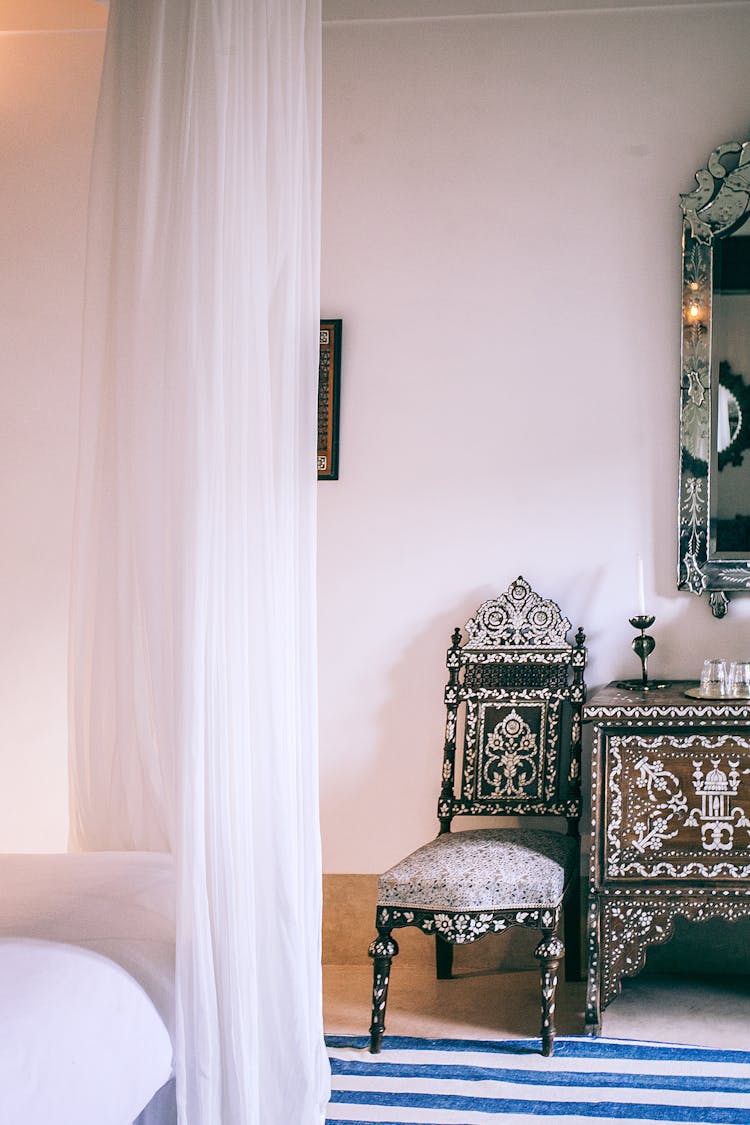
(677, 805)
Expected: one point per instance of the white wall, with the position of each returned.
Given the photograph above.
(48, 89)
(502, 240)
(501, 237)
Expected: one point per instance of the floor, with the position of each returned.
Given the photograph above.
(687, 1008)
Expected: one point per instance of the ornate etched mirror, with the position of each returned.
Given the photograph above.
(714, 494)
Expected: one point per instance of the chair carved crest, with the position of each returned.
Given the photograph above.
(519, 617)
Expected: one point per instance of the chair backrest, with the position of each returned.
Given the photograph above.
(515, 692)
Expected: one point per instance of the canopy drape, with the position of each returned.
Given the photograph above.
(193, 648)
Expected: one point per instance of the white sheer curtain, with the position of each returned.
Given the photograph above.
(193, 648)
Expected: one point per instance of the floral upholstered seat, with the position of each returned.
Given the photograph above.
(483, 869)
(515, 690)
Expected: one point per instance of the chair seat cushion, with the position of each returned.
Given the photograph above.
(482, 869)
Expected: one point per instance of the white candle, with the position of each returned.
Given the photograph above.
(640, 587)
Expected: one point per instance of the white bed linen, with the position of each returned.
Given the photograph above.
(80, 1041)
(87, 1000)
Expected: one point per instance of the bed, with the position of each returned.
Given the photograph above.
(87, 989)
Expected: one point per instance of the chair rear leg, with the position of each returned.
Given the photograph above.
(443, 958)
(573, 953)
(382, 950)
(550, 952)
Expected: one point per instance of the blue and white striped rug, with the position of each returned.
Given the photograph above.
(472, 1082)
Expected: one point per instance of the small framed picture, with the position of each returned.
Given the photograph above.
(329, 389)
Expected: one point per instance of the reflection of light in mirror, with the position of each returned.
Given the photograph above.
(695, 311)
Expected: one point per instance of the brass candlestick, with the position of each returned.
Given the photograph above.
(643, 645)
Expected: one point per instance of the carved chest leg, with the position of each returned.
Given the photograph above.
(593, 978)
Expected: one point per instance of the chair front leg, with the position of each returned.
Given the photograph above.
(382, 950)
(550, 952)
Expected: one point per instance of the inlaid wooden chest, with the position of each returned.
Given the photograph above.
(670, 824)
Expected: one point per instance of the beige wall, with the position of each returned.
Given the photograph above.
(501, 237)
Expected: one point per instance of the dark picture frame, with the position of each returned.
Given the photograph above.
(329, 393)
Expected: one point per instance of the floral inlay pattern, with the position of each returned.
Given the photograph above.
(465, 927)
(664, 805)
(653, 814)
(630, 927)
(510, 757)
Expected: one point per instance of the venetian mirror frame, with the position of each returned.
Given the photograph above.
(712, 211)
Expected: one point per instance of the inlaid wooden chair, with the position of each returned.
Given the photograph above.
(515, 693)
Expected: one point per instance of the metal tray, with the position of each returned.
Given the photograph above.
(695, 693)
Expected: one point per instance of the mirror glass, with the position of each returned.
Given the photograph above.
(714, 525)
(730, 358)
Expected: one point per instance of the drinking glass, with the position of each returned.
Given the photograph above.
(714, 678)
(739, 678)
